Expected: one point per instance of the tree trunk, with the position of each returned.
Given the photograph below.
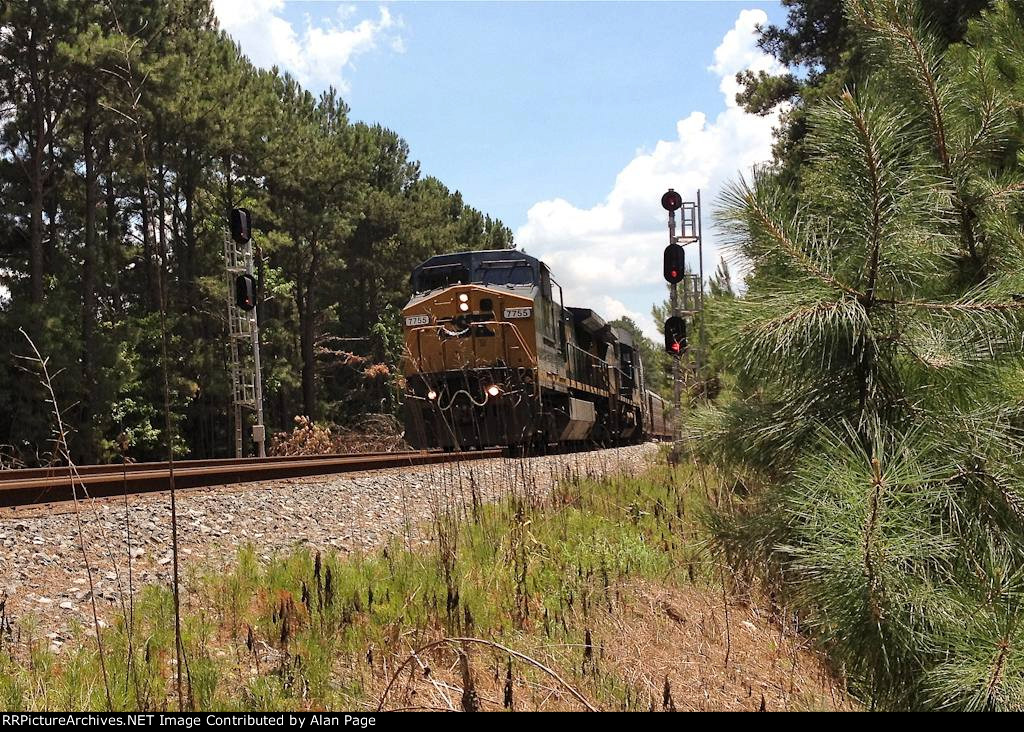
(161, 196)
(229, 185)
(36, 165)
(307, 329)
(188, 264)
(89, 274)
(36, 234)
(147, 247)
(113, 251)
(51, 244)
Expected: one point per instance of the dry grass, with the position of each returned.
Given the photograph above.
(596, 595)
(373, 433)
(679, 633)
(659, 648)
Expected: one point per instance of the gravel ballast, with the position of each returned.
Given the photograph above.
(43, 572)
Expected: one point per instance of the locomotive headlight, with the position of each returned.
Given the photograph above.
(493, 390)
(463, 297)
(464, 306)
(431, 395)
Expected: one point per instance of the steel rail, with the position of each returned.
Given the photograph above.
(29, 490)
(57, 470)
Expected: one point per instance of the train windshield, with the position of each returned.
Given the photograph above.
(479, 271)
(433, 278)
(505, 273)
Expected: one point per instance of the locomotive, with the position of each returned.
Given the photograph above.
(494, 358)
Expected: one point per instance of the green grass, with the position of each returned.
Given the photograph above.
(309, 631)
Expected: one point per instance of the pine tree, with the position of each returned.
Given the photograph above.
(823, 52)
(877, 433)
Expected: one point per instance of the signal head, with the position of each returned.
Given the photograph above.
(675, 263)
(675, 336)
(245, 292)
(671, 201)
(241, 225)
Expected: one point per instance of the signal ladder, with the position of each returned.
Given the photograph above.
(243, 347)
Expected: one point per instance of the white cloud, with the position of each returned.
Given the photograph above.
(316, 54)
(611, 253)
(737, 52)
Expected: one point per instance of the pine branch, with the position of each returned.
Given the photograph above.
(892, 22)
(1006, 190)
(993, 112)
(873, 162)
(778, 234)
(960, 306)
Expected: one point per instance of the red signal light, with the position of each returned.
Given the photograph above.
(245, 291)
(675, 263)
(675, 335)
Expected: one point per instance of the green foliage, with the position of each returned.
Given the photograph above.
(875, 423)
(823, 54)
(129, 131)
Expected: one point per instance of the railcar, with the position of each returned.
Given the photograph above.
(493, 357)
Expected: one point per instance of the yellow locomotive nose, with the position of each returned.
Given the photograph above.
(455, 301)
(469, 327)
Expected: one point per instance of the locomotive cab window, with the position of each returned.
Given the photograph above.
(510, 273)
(434, 278)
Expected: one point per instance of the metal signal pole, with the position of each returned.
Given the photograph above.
(677, 270)
(693, 284)
(674, 306)
(243, 332)
(700, 307)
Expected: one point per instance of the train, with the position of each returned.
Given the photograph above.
(493, 357)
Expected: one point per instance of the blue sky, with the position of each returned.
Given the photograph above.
(567, 120)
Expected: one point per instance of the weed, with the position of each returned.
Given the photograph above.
(529, 582)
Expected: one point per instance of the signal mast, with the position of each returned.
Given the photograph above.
(676, 271)
(243, 330)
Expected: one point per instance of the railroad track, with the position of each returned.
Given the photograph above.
(32, 486)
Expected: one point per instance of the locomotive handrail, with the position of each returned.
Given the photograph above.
(503, 323)
(626, 382)
(592, 365)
